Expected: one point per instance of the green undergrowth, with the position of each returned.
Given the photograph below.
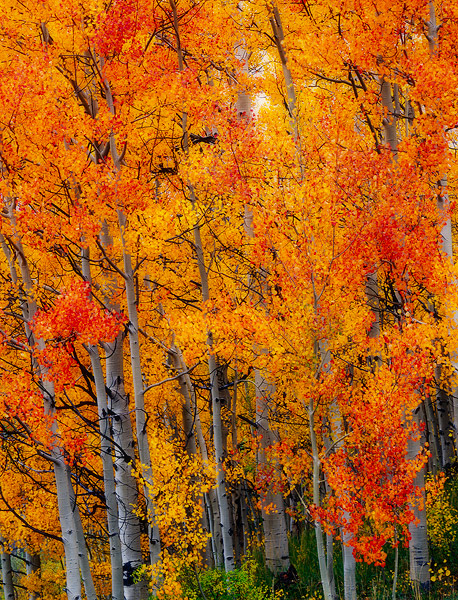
(244, 583)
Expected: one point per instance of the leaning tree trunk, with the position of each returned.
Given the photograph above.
(75, 550)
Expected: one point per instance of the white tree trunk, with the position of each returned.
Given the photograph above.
(124, 448)
(324, 572)
(211, 502)
(124, 456)
(274, 521)
(418, 545)
(223, 504)
(106, 454)
(348, 559)
(32, 565)
(140, 412)
(82, 549)
(7, 572)
(72, 548)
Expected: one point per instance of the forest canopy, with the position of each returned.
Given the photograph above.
(228, 310)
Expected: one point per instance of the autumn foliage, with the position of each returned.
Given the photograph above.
(228, 282)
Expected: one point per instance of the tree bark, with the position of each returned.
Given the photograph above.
(274, 522)
(7, 572)
(32, 565)
(418, 545)
(324, 571)
(106, 454)
(140, 411)
(74, 551)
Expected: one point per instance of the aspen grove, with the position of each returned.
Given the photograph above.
(229, 299)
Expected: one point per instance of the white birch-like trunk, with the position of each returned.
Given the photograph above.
(73, 550)
(7, 572)
(106, 454)
(135, 361)
(68, 527)
(322, 562)
(83, 557)
(211, 502)
(291, 100)
(191, 411)
(139, 395)
(223, 503)
(32, 565)
(443, 207)
(124, 458)
(124, 449)
(274, 521)
(418, 545)
(444, 423)
(348, 559)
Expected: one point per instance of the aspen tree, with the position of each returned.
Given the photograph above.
(223, 505)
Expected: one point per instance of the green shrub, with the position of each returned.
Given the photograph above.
(216, 584)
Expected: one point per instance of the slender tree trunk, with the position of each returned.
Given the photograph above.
(443, 207)
(223, 504)
(32, 565)
(324, 571)
(348, 559)
(191, 422)
(444, 423)
(123, 449)
(274, 522)
(211, 502)
(432, 434)
(330, 536)
(418, 545)
(140, 411)
(135, 359)
(330, 562)
(291, 101)
(124, 457)
(7, 572)
(74, 551)
(186, 409)
(82, 548)
(106, 454)
(68, 526)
